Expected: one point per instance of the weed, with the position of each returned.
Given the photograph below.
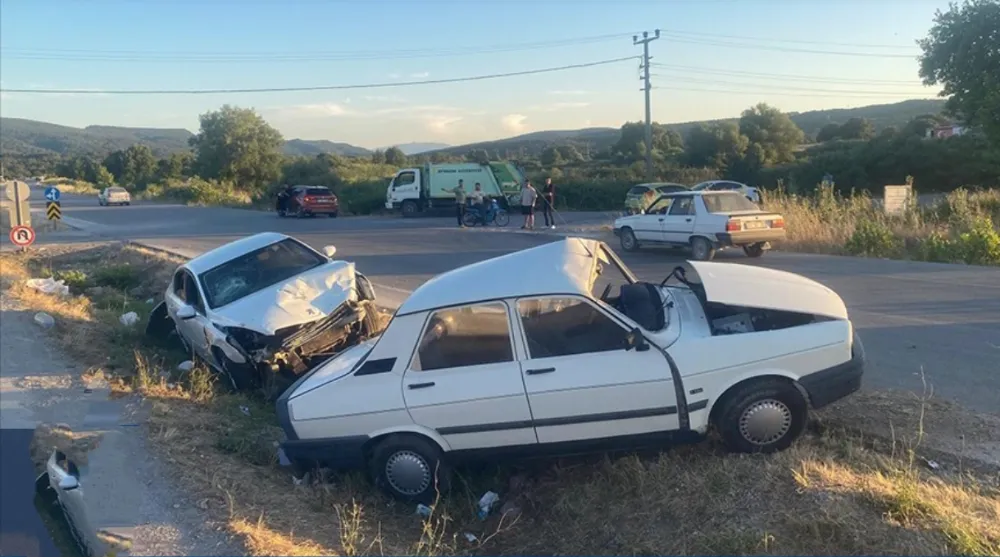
(121, 276)
(872, 238)
(73, 278)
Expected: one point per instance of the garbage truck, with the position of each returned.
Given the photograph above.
(428, 189)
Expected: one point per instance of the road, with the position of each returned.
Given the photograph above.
(939, 320)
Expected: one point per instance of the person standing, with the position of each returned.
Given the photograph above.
(528, 196)
(459, 202)
(549, 203)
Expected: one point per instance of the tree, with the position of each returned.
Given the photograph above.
(569, 153)
(550, 157)
(962, 53)
(828, 132)
(133, 166)
(236, 144)
(857, 128)
(919, 125)
(395, 156)
(773, 136)
(378, 156)
(631, 146)
(175, 167)
(102, 177)
(717, 146)
(479, 156)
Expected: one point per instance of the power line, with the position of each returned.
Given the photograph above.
(316, 88)
(816, 93)
(676, 39)
(683, 79)
(790, 77)
(780, 40)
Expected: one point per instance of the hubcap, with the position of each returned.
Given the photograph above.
(408, 473)
(629, 240)
(765, 422)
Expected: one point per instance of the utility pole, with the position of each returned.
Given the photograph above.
(646, 39)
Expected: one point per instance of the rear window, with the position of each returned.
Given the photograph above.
(318, 191)
(116, 190)
(728, 203)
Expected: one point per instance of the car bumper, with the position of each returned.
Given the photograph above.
(322, 209)
(748, 237)
(338, 453)
(832, 384)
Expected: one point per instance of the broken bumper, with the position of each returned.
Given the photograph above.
(832, 384)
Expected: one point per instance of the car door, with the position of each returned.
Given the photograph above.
(184, 291)
(582, 380)
(678, 222)
(464, 381)
(649, 226)
(404, 186)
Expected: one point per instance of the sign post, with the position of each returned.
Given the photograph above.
(53, 211)
(20, 212)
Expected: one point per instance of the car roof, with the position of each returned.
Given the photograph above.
(213, 258)
(561, 267)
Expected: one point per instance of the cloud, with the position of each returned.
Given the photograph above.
(554, 107)
(568, 93)
(383, 98)
(441, 123)
(318, 110)
(513, 122)
(394, 76)
(420, 75)
(418, 109)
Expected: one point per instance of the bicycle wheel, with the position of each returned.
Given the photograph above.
(502, 218)
(470, 219)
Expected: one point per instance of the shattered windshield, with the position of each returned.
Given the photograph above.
(728, 203)
(256, 271)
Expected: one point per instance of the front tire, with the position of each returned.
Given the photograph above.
(410, 208)
(754, 250)
(762, 416)
(628, 240)
(502, 218)
(702, 249)
(410, 468)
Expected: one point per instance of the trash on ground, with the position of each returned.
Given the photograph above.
(471, 537)
(245, 410)
(424, 511)
(150, 301)
(186, 365)
(486, 503)
(932, 464)
(48, 286)
(44, 320)
(129, 319)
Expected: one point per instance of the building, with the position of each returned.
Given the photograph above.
(949, 130)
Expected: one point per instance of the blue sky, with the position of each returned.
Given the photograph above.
(716, 58)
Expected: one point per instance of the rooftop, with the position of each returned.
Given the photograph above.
(562, 267)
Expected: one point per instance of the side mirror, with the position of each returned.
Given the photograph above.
(330, 251)
(185, 312)
(636, 340)
(68, 483)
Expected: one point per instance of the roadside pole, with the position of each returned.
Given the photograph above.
(646, 39)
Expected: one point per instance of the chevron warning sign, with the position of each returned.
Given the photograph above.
(53, 210)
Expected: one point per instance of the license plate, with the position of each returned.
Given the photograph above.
(754, 225)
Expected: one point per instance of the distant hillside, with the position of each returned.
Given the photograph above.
(417, 148)
(312, 147)
(600, 139)
(31, 137)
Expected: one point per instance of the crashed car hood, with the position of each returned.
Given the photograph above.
(757, 287)
(301, 299)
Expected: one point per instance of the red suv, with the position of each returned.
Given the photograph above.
(310, 201)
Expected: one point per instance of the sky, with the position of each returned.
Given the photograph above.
(714, 58)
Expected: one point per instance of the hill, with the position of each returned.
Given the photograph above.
(417, 148)
(19, 136)
(600, 139)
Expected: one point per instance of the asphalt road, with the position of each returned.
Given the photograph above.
(942, 321)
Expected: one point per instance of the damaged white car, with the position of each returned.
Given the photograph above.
(266, 308)
(582, 357)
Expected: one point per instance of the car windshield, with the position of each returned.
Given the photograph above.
(729, 202)
(257, 270)
(612, 272)
(318, 191)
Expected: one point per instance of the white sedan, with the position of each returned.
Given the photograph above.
(114, 195)
(266, 303)
(749, 192)
(582, 357)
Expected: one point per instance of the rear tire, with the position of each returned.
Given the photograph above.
(754, 250)
(702, 249)
(762, 416)
(410, 468)
(628, 240)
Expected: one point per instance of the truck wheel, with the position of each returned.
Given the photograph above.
(410, 208)
(702, 249)
(628, 240)
(754, 250)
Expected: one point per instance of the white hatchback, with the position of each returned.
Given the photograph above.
(478, 363)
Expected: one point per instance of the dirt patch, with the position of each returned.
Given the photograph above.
(834, 492)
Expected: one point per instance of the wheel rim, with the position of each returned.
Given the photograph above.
(700, 250)
(408, 473)
(765, 422)
(628, 240)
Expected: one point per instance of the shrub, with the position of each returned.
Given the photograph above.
(72, 278)
(872, 238)
(981, 244)
(122, 277)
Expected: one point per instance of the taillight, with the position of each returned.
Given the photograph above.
(308, 199)
(778, 223)
(733, 226)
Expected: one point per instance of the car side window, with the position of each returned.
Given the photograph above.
(466, 336)
(682, 206)
(660, 207)
(178, 285)
(638, 190)
(566, 327)
(191, 294)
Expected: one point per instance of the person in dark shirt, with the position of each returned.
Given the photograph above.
(548, 203)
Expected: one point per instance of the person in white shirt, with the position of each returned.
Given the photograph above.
(528, 196)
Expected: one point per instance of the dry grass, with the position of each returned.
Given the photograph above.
(835, 492)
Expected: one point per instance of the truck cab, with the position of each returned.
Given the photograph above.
(404, 192)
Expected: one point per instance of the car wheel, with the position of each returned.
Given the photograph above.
(628, 240)
(238, 376)
(410, 468)
(754, 250)
(702, 249)
(762, 417)
(332, 215)
(410, 208)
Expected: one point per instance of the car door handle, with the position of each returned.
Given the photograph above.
(540, 371)
(660, 219)
(688, 220)
(421, 385)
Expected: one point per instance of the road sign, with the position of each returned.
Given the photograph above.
(18, 191)
(52, 193)
(895, 199)
(53, 210)
(22, 236)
